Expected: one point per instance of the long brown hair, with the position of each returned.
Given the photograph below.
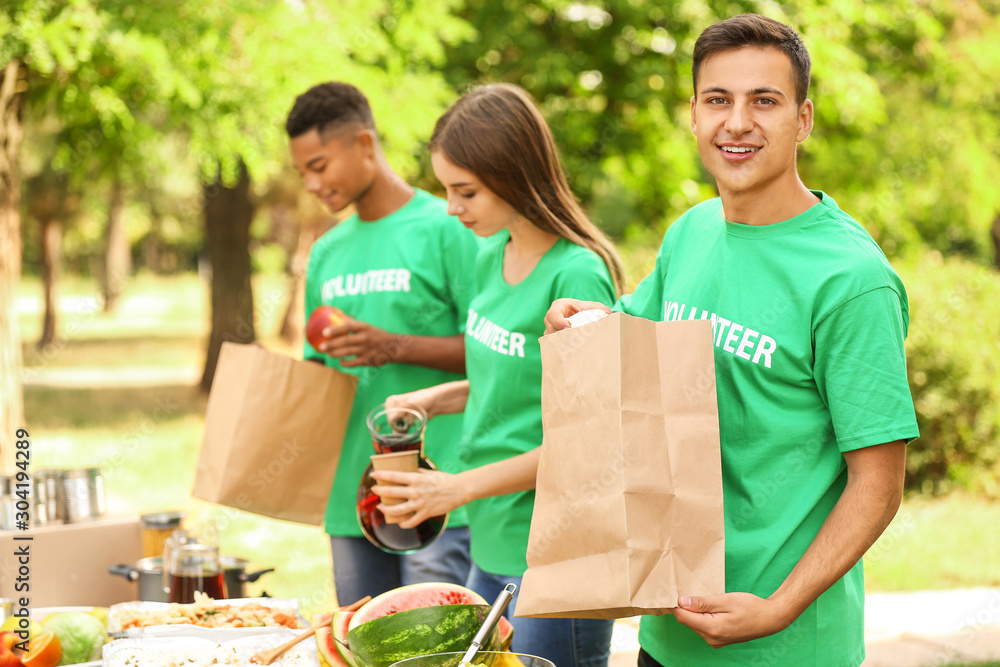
(496, 132)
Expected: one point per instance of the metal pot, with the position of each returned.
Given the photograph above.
(149, 573)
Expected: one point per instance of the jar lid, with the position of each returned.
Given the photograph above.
(162, 519)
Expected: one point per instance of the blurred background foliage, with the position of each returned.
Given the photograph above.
(134, 114)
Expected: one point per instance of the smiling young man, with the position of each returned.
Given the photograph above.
(808, 322)
(401, 269)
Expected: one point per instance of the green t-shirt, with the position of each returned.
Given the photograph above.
(409, 272)
(808, 321)
(503, 417)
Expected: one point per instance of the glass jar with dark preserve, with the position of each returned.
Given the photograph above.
(395, 430)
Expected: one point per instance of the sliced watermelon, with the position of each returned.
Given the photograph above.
(506, 629)
(324, 642)
(390, 638)
(341, 622)
(335, 653)
(404, 598)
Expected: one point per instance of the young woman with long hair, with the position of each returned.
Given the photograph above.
(495, 156)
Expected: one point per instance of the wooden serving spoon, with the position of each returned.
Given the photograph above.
(270, 655)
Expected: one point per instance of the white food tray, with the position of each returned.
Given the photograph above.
(209, 634)
(41, 613)
(200, 652)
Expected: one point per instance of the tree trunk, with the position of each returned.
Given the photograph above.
(293, 324)
(152, 245)
(308, 229)
(51, 263)
(52, 205)
(117, 252)
(12, 88)
(228, 214)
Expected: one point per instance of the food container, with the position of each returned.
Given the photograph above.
(84, 492)
(488, 658)
(123, 610)
(156, 528)
(149, 573)
(404, 431)
(208, 650)
(50, 498)
(6, 609)
(7, 507)
(9, 499)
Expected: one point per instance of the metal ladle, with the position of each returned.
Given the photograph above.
(491, 620)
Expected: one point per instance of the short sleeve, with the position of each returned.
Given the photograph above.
(860, 370)
(587, 278)
(647, 299)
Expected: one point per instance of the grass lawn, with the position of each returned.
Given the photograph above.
(146, 441)
(942, 543)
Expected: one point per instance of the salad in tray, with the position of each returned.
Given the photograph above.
(207, 613)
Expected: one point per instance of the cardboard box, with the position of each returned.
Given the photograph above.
(68, 564)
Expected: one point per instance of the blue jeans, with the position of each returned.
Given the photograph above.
(567, 642)
(360, 568)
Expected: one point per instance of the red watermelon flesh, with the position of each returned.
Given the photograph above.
(506, 633)
(333, 652)
(405, 598)
(327, 653)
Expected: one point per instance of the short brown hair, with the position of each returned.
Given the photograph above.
(757, 31)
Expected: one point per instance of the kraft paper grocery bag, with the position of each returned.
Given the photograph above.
(628, 503)
(274, 428)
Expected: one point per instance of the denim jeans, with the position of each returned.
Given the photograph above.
(567, 642)
(360, 568)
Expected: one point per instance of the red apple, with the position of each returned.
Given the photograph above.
(8, 658)
(320, 319)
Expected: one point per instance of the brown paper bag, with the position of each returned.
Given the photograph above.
(628, 502)
(274, 428)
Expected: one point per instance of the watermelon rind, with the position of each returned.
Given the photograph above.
(422, 631)
(334, 653)
(433, 593)
(341, 621)
(328, 655)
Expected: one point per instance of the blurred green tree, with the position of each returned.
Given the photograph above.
(613, 80)
(907, 136)
(249, 65)
(221, 75)
(908, 118)
(907, 127)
